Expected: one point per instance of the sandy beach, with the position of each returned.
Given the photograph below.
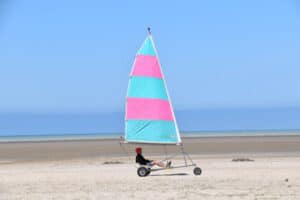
(85, 169)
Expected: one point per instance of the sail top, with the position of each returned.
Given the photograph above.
(149, 113)
(147, 48)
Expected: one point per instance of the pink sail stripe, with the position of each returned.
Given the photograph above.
(146, 66)
(148, 109)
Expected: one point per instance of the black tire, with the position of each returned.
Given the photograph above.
(197, 171)
(143, 171)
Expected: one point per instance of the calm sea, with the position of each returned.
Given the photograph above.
(25, 126)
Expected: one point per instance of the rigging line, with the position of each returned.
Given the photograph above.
(166, 153)
(188, 155)
(127, 153)
(183, 153)
(124, 150)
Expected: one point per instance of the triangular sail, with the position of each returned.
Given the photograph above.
(149, 113)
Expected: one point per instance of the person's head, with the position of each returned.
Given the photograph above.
(138, 150)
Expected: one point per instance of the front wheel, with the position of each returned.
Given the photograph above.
(197, 171)
(143, 171)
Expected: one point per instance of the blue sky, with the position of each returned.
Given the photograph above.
(73, 57)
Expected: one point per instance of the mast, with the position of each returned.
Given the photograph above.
(149, 30)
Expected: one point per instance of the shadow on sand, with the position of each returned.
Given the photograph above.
(175, 174)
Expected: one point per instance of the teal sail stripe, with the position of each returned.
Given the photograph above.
(147, 87)
(147, 48)
(153, 131)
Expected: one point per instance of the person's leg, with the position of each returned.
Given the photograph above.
(161, 164)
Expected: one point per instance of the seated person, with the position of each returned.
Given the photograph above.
(142, 161)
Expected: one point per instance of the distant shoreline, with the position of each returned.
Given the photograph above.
(116, 136)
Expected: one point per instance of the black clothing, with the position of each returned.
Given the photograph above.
(141, 160)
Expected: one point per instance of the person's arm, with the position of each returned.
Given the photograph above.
(140, 159)
(146, 160)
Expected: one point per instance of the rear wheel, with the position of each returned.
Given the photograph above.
(197, 171)
(143, 171)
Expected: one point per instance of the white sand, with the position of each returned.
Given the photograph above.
(265, 178)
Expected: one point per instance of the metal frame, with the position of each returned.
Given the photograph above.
(185, 155)
(188, 162)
